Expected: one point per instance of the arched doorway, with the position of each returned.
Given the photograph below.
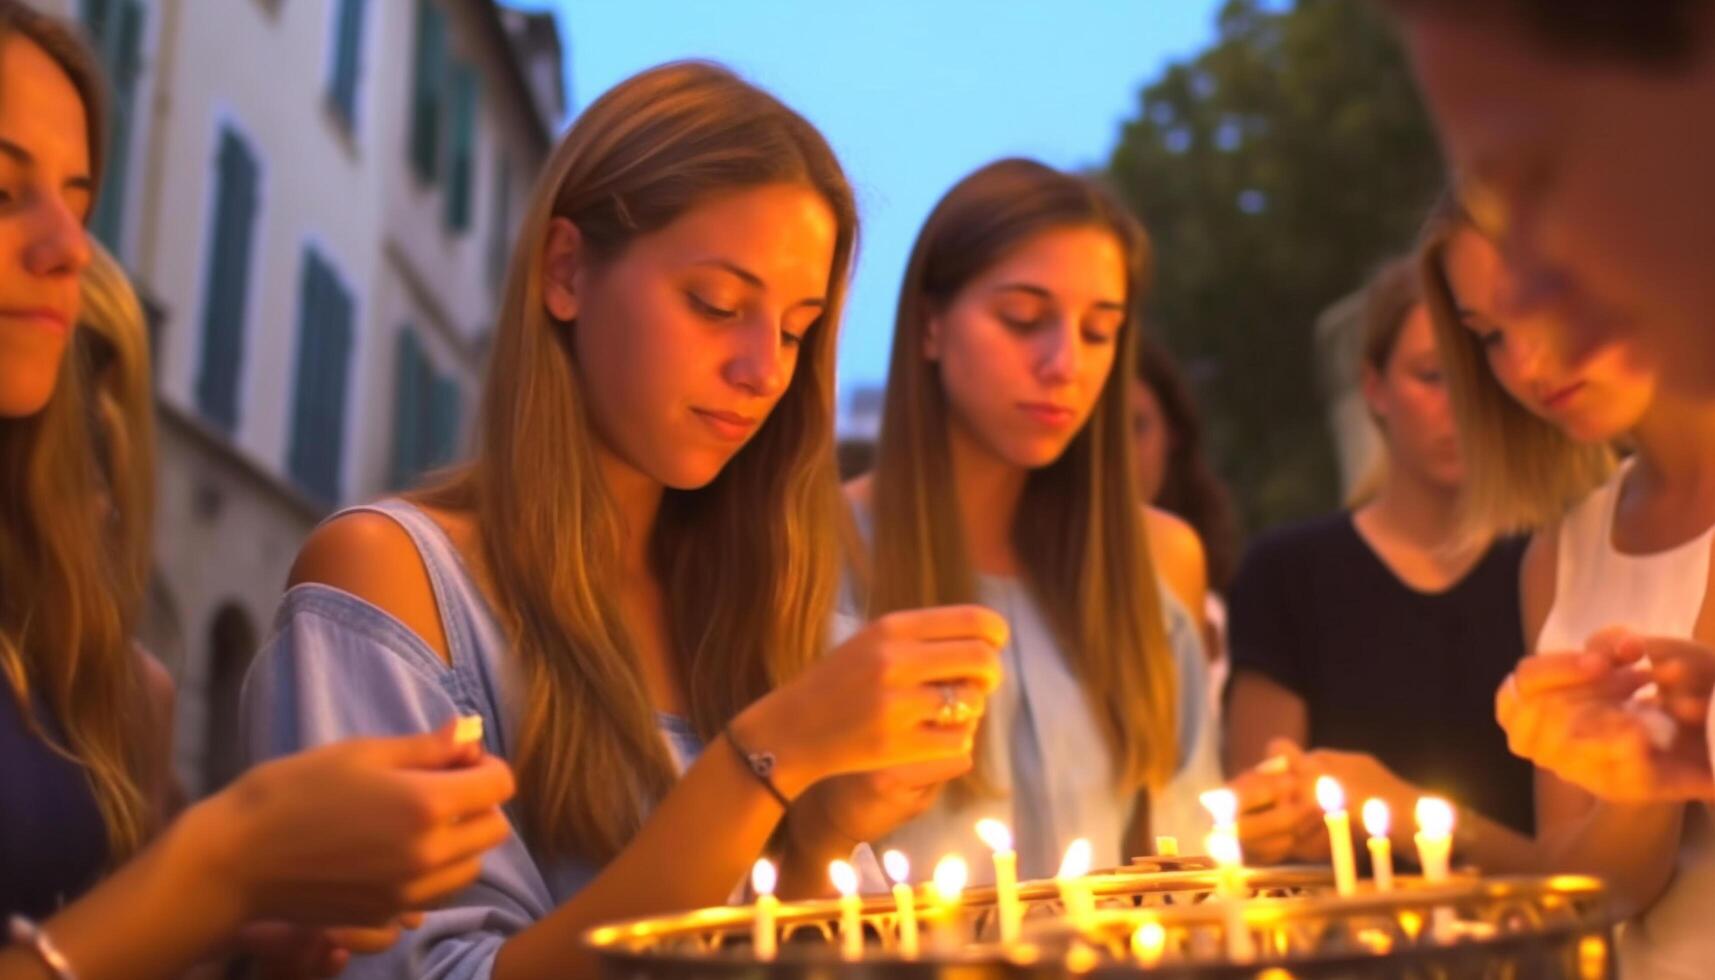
(231, 644)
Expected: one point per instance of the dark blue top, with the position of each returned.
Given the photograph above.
(53, 841)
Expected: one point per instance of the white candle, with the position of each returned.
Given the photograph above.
(845, 879)
(1167, 847)
(899, 869)
(762, 937)
(947, 886)
(1149, 942)
(1007, 908)
(1223, 807)
(1333, 802)
(1223, 846)
(1434, 837)
(1377, 822)
(1074, 889)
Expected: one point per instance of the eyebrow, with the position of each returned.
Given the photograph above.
(753, 279)
(1108, 305)
(24, 158)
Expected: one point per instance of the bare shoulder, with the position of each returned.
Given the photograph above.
(370, 556)
(1178, 556)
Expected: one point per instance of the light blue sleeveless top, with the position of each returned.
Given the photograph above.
(338, 667)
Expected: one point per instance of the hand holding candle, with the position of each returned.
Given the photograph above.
(763, 878)
(1377, 822)
(1007, 908)
(899, 869)
(845, 880)
(1333, 802)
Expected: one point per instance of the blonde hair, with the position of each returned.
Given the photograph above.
(1389, 297)
(749, 564)
(1079, 530)
(1521, 471)
(74, 521)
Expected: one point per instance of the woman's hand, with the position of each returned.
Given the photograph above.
(1278, 817)
(908, 689)
(352, 834)
(845, 811)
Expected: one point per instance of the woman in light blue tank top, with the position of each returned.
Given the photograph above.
(1003, 476)
(632, 581)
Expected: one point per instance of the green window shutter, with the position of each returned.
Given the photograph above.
(324, 354)
(409, 400)
(461, 147)
(348, 51)
(443, 422)
(227, 280)
(116, 29)
(428, 89)
(499, 224)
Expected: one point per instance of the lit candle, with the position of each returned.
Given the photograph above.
(1223, 807)
(1434, 837)
(946, 887)
(1333, 802)
(1377, 820)
(1167, 847)
(899, 869)
(1007, 908)
(1074, 889)
(1223, 846)
(1149, 942)
(762, 880)
(845, 879)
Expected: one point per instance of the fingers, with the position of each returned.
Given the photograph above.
(364, 941)
(967, 622)
(444, 748)
(429, 889)
(456, 794)
(1552, 672)
(972, 662)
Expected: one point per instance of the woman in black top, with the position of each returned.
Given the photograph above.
(1376, 638)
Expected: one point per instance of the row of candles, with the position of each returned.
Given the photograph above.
(946, 886)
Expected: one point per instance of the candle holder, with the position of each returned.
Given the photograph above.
(1555, 927)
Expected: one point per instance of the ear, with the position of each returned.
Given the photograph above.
(932, 338)
(1373, 388)
(562, 260)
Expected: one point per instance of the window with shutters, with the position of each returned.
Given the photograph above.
(428, 90)
(226, 278)
(500, 224)
(116, 33)
(461, 147)
(426, 413)
(326, 310)
(347, 65)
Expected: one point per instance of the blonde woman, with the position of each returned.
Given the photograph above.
(352, 835)
(1004, 475)
(632, 580)
(1538, 402)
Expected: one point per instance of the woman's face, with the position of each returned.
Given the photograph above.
(1595, 388)
(1025, 347)
(1151, 439)
(687, 339)
(45, 193)
(1408, 398)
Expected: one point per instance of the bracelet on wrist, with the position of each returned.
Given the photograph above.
(23, 932)
(759, 765)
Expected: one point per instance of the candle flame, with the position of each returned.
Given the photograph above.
(898, 866)
(763, 877)
(1223, 846)
(1329, 795)
(950, 877)
(1148, 942)
(1434, 817)
(1377, 819)
(844, 876)
(1223, 806)
(995, 834)
(1077, 862)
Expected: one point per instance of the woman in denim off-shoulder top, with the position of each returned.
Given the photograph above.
(1004, 476)
(633, 578)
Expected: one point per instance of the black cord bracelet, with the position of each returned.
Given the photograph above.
(760, 765)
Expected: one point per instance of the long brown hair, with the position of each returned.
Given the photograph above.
(72, 556)
(1190, 487)
(749, 564)
(1521, 471)
(1391, 294)
(1079, 530)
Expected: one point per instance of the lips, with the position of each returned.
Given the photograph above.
(730, 426)
(1561, 397)
(40, 317)
(1048, 413)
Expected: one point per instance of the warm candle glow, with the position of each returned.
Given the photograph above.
(1377, 819)
(1149, 942)
(898, 866)
(1224, 848)
(763, 877)
(995, 834)
(950, 878)
(1077, 862)
(1223, 806)
(844, 876)
(1167, 846)
(1329, 795)
(1434, 816)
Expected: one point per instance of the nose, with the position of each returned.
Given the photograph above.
(58, 244)
(761, 363)
(1058, 351)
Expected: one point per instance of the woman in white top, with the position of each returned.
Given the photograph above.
(1538, 403)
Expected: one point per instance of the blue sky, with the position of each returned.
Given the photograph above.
(913, 94)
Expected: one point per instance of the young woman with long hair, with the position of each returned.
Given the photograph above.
(632, 580)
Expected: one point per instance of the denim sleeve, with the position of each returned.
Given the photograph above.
(1192, 671)
(336, 667)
